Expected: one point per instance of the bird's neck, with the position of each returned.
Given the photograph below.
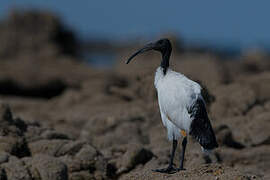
(159, 76)
(165, 60)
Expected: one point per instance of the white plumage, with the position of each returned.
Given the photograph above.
(176, 94)
(181, 105)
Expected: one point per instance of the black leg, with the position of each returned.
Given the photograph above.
(184, 144)
(173, 152)
(207, 159)
(170, 169)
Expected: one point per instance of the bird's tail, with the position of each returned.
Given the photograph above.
(201, 128)
(204, 134)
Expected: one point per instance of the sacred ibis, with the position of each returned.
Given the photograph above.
(181, 105)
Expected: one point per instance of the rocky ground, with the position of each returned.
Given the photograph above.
(62, 119)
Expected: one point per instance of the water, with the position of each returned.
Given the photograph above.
(99, 59)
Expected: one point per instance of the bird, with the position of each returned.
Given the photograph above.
(181, 104)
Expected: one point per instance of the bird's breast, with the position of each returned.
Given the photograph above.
(176, 93)
(175, 108)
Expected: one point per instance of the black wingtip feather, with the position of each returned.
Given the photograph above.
(200, 127)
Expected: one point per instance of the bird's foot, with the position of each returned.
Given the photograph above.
(168, 170)
(181, 169)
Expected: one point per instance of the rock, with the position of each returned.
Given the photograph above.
(49, 147)
(4, 157)
(260, 84)
(71, 148)
(254, 61)
(33, 32)
(52, 134)
(232, 100)
(240, 159)
(216, 72)
(82, 175)
(119, 137)
(14, 145)
(201, 172)
(12, 130)
(134, 155)
(258, 128)
(15, 169)
(225, 137)
(8, 125)
(251, 131)
(119, 127)
(3, 175)
(47, 167)
(50, 155)
(85, 159)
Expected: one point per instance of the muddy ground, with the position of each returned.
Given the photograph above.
(63, 119)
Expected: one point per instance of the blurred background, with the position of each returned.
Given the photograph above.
(69, 99)
(226, 27)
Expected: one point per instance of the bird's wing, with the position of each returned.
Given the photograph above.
(200, 127)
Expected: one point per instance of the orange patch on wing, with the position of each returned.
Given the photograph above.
(184, 134)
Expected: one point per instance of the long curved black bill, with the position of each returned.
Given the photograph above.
(148, 47)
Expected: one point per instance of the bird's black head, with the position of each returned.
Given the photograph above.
(163, 46)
